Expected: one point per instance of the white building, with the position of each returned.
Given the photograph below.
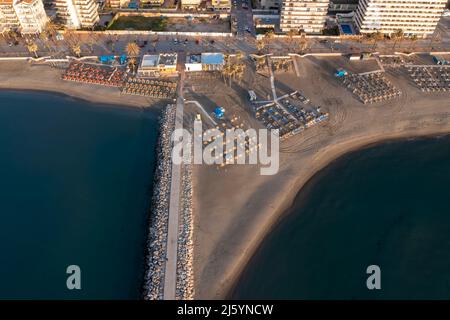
(221, 4)
(8, 16)
(190, 4)
(206, 61)
(118, 3)
(77, 14)
(193, 63)
(418, 17)
(306, 15)
(26, 16)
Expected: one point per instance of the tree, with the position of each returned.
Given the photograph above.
(303, 43)
(51, 28)
(397, 35)
(76, 49)
(260, 45)
(413, 39)
(291, 35)
(132, 49)
(239, 55)
(268, 36)
(32, 48)
(375, 38)
(260, 63)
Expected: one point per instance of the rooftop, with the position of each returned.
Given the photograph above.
(168, 59)
(150, 60)
(194, 58)
(154, 60)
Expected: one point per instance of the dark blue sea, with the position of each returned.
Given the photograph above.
(75, 185)
(386, 205)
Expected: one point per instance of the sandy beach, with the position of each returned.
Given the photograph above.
(23, 75)
(236, 207)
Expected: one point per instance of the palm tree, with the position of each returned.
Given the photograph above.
(303, 43)
(76, 49)
(413, 39)
(396, 36)
(269, 36)
(132, 49)
(239, 55)
(260, 45)
(43, 36)
(291, 35)
(375, 37)
(260, 63)
(33, 48)
(51, 28)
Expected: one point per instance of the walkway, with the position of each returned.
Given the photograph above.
(170, 274)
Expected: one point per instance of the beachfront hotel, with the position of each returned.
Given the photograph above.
(25, 16)
(416, 17)
(306, 15)
(76, 14)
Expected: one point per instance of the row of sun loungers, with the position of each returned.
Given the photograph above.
(431, 79)
(94, 74)
(289, 117)
(150, 88)
(370, 88)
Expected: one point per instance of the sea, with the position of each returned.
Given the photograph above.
(75, 186)
(374, 224)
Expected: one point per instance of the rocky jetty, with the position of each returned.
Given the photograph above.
(157, 243)
(159, 216)
(185, 274)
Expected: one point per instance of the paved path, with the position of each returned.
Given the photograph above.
(203, 110)
(170, 274)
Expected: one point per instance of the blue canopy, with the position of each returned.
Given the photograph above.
(219, 112)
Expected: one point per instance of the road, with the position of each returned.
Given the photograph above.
(101, 44)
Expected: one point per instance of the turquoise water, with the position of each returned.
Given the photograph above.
(387, 205)
(75, 186)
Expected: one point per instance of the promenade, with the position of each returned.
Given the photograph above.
(170, 273)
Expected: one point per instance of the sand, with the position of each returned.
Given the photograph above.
(22, 75)
(235, 208)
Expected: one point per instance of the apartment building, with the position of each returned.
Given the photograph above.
(76, 14)
(26, 16)
(8, 16)
(306, 15)
(418, 17)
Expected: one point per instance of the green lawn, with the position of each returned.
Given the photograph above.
(139, 23)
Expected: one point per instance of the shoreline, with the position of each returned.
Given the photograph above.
(23, 76)
(299, 194)
(229, 229)
(246, 220)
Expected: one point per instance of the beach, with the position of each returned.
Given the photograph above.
(236, 207)
(23, 75)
